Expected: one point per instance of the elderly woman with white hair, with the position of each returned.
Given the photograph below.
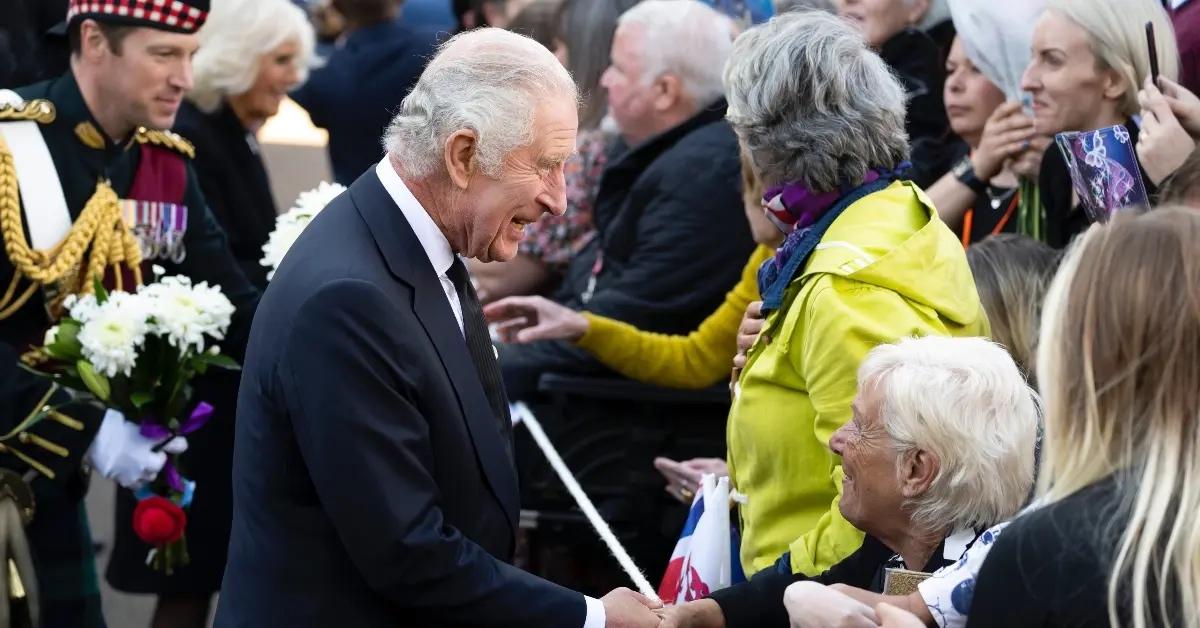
(939, 448)
(865, 261)
(251, 53)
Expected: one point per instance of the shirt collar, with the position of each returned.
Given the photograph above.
(436, 246)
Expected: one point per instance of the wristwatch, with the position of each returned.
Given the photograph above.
(964, 171)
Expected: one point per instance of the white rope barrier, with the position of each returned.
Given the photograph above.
(523, 414)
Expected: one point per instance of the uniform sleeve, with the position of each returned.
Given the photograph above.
(41, 426)
(697, 360)
(208, 258)
(845, 320)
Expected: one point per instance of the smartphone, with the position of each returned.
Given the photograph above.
(1153, 49)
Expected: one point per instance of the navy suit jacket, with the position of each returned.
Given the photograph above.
(357, 92)
(372, 485)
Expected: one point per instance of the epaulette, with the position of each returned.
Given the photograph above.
(40, 111)
(166, 139)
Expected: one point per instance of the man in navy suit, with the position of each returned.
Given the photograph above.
(367, 73)
(373, 477)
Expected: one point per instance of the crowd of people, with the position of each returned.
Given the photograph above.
(938, 359)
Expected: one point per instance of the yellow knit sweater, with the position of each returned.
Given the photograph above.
(697, 360)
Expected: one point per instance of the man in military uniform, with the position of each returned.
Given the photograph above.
(90, 185)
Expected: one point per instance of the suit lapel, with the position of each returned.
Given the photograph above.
(407, 261)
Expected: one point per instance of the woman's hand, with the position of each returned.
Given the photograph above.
(752, 324)
(1163, 143)
(1184, 104)
(892, 617)
(683, 478)
(1028, 164)
(811, 605)
(528, 319)
(698, 614)
(1007, 133)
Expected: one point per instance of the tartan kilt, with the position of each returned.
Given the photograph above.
(63, 556)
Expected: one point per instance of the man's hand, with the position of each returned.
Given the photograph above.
(528, 319)
(683, 478)
(123, 455)
(811, 605)
(698, 614)
(624, 608)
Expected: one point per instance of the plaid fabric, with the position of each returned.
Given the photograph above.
(64, 559)
(186, 16)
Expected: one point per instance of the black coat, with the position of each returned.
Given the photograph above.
(672, 239)
(918, 62)
(235, 182)
(372, 482)
(358, 90)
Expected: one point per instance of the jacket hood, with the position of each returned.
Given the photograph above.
(894, 239)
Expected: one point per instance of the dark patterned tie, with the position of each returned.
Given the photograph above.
(479, 343)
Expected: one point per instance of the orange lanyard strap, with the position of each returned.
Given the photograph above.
(969, 219)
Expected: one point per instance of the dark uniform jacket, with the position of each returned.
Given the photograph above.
(83, 156)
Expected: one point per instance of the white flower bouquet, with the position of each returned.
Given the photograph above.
(137, 353)
(290, 224)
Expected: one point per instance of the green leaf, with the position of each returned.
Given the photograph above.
(141, 399)
(94, 381)
(219, 361)
(98, 287)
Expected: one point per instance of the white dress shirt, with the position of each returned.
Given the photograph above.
(441, 258)
(436, 246)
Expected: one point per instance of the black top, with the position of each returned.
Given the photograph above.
(671, 240)
(919, 65)
(358, 90)
(1065, 219)
(759, 601)
(994, 211)
(235, 182)
(1051, 566)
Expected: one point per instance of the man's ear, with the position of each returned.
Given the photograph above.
(918, 471)
(668, 91)
(461, 161)
(92, 42)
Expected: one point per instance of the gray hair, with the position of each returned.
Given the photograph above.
(813, 104)
(791, 6)
(487, 80)
(965, 401)
(234, 39)
(684, 38)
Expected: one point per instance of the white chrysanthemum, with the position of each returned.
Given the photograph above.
(290, 224)
(51, 336)
(186, 313)
(82, 308)
(112, 336)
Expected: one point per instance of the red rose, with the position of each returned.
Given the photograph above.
(159, 521)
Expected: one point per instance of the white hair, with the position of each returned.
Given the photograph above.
(234, 39)
(684, 38)
(487, 80)
(965, 401)
(811, 103)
